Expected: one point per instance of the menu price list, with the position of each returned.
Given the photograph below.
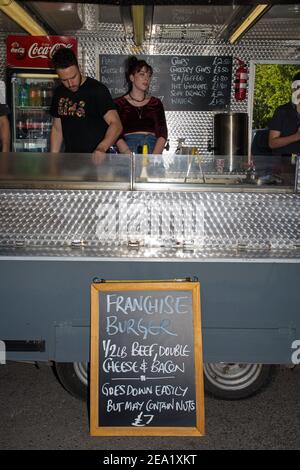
(183, 83)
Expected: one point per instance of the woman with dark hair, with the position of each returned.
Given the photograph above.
(142, 116)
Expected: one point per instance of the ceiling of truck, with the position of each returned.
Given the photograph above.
(179, 22)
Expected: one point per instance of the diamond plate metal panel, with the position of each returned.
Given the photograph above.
(163, 220)
(297, 179)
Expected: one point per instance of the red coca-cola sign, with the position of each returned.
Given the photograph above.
(35, 51)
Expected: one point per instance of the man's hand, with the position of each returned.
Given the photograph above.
(99, 156)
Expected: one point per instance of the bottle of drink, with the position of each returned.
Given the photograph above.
(24, 128)
(19, 129)
(32, 95)
(44, 94)
(144, 173)
(35, 125)
(43, 131)
(38, 96)
(29, 127)
(23, 95)
(48, 124)
(41, 125)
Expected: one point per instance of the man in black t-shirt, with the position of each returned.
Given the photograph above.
(284, 134)
(85, 116)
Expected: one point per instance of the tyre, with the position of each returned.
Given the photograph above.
(74, 377)
(234, 381)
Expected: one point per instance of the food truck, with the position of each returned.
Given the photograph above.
(208, 208)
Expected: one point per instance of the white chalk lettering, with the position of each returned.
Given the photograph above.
(179, 61)
(111, 365)
(113, 350)
(113, 406)
(176, 351)
(116, 391)
(175, 69)
(137, 406)
(139, 327)
(167, 367)
(147, 304)
(138, 349)
(170, 390)
(160, 405)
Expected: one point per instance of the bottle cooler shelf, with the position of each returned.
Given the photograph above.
(32, 121)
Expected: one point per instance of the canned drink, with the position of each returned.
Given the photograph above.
(220, 162)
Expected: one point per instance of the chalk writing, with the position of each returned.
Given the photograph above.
(147, 304)
(185, 82)
(147, 356)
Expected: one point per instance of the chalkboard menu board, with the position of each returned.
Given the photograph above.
(146, 359)
(183, 83)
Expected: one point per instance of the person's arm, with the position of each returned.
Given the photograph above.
(122, 146)
(5, 133)
(113, 131)
(159, 146)
(276, 141)
(161, 130)
(56, 136)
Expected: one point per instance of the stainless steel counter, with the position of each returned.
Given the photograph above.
(145, 208)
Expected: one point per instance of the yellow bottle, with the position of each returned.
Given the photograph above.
(144, 174)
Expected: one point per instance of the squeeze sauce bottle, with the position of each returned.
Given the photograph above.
(144, 174)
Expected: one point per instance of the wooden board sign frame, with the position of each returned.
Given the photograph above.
(96, 429)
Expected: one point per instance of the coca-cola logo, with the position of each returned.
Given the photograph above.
(45, 51)
(18, 50)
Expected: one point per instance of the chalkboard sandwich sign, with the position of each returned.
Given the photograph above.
(146, 359)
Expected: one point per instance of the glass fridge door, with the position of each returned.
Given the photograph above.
(31, 100)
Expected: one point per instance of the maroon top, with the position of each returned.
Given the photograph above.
(147, 118)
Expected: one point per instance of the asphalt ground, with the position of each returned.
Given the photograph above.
(37, 413)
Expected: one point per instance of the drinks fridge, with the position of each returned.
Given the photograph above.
(30, 100)
(30, 83)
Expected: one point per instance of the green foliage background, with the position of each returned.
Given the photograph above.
(272, 88)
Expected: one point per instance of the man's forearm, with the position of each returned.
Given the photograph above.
(5, 136)
(5, 146)
(56, 139)
(277, 142)
(111, 135)
(6, 141)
